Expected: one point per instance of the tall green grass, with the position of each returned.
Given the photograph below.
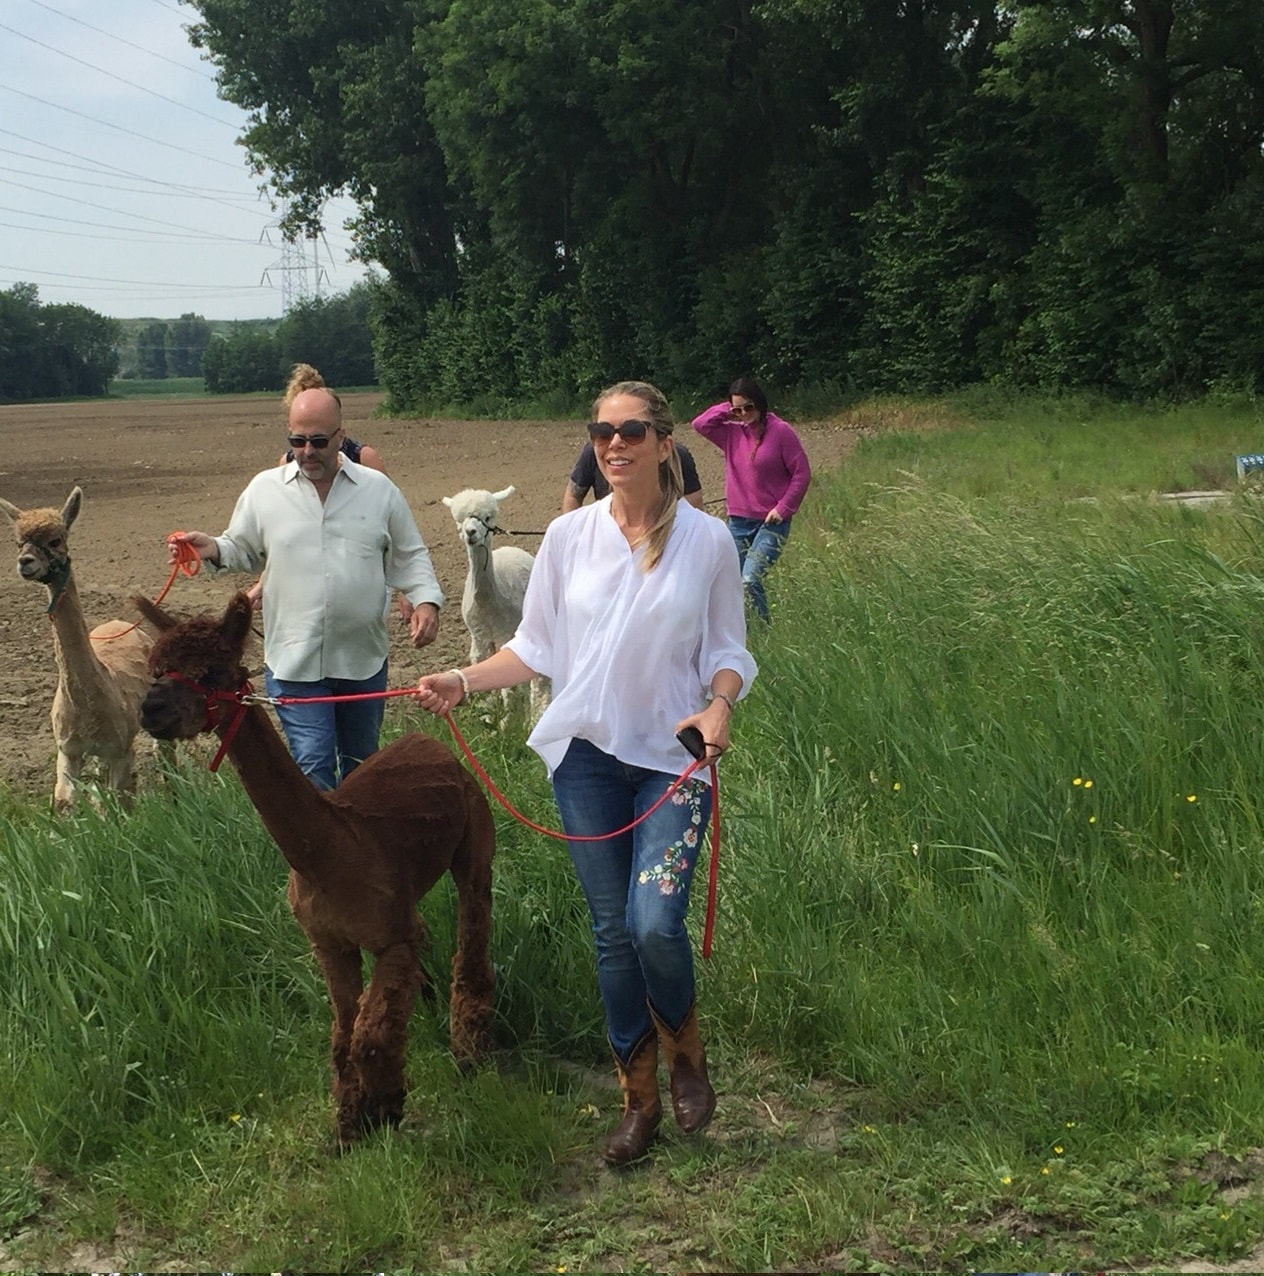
(986, 987)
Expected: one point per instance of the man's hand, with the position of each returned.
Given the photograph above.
(423, 625)
(200, 543)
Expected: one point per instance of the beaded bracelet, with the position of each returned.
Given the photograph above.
(465, 683)
(728, 700)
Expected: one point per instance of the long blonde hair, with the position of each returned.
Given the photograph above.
(671, 482)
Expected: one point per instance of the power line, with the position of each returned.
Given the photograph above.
(121, 212)
(111, 169)
(118, 127)
(80, 184)
(178, 237)
(109, 35)
(100, 70)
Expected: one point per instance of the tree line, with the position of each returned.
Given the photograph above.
(871, 195)
(880, 194)
(51, 352)
(57, 351)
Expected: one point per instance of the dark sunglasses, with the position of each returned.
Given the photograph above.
(629, 431)
(299, 441)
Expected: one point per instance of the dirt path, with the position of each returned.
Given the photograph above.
(150, 467)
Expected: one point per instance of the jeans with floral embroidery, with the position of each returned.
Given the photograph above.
(636, 884)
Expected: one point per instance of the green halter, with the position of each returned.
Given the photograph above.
(59, 577)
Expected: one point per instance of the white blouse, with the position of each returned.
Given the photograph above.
(630, 653)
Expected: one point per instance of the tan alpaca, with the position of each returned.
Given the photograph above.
(361, 857)
(102, 676)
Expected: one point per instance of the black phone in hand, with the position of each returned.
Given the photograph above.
(691, 738)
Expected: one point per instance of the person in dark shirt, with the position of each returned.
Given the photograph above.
(587, 477)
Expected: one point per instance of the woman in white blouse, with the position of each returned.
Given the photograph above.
(635, 612)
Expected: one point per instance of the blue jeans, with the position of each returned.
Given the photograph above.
(329, 741)
(759, 545)
(636, 884)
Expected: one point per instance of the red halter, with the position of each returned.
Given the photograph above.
(239, 699)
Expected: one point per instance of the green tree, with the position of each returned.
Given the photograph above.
(49, 352)
(187, 339)
(247, 359)
(151, 351)
(19, 343)
(334, 334)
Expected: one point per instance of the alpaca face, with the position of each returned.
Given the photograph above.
(43, 548)
(206, 652)
(173, 711)
(475, 511)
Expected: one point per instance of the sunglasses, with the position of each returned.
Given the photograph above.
(629, 431)
(299, 441)
(741, 409)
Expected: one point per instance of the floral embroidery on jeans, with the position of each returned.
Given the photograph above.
(670, 873)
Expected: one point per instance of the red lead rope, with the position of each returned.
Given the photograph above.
(708, 929)
(244, 697)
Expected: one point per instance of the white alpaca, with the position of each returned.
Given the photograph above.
(102, 676)
(496, 582)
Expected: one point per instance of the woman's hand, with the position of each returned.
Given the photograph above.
(440, 693)
(713, 722)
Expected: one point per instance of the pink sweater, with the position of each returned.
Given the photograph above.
(760, 475)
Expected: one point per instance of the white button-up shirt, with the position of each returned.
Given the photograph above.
(329, 565)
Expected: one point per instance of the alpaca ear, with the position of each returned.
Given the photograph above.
(70, 511)
(447, 500)
(505, 495)
(161, 620)
(10, 510)
(237, 618)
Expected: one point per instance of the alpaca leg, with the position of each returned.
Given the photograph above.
(164, 756)
(69, 767)
(541, 694)
(473, 976)
(120, 774)
(344, 978)
(381, 1036)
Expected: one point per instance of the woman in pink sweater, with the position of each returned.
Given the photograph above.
(766, 475)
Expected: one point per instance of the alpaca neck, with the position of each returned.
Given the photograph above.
(77, 663)
(482, 578)
(291, 807)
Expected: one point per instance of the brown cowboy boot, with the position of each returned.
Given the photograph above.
(642, 1108)
(693, 1099)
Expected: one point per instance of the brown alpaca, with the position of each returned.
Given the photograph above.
(102, 676)
(360, 858)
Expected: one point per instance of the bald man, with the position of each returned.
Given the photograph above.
(334, 536)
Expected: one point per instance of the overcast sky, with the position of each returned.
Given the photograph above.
(122, 187)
